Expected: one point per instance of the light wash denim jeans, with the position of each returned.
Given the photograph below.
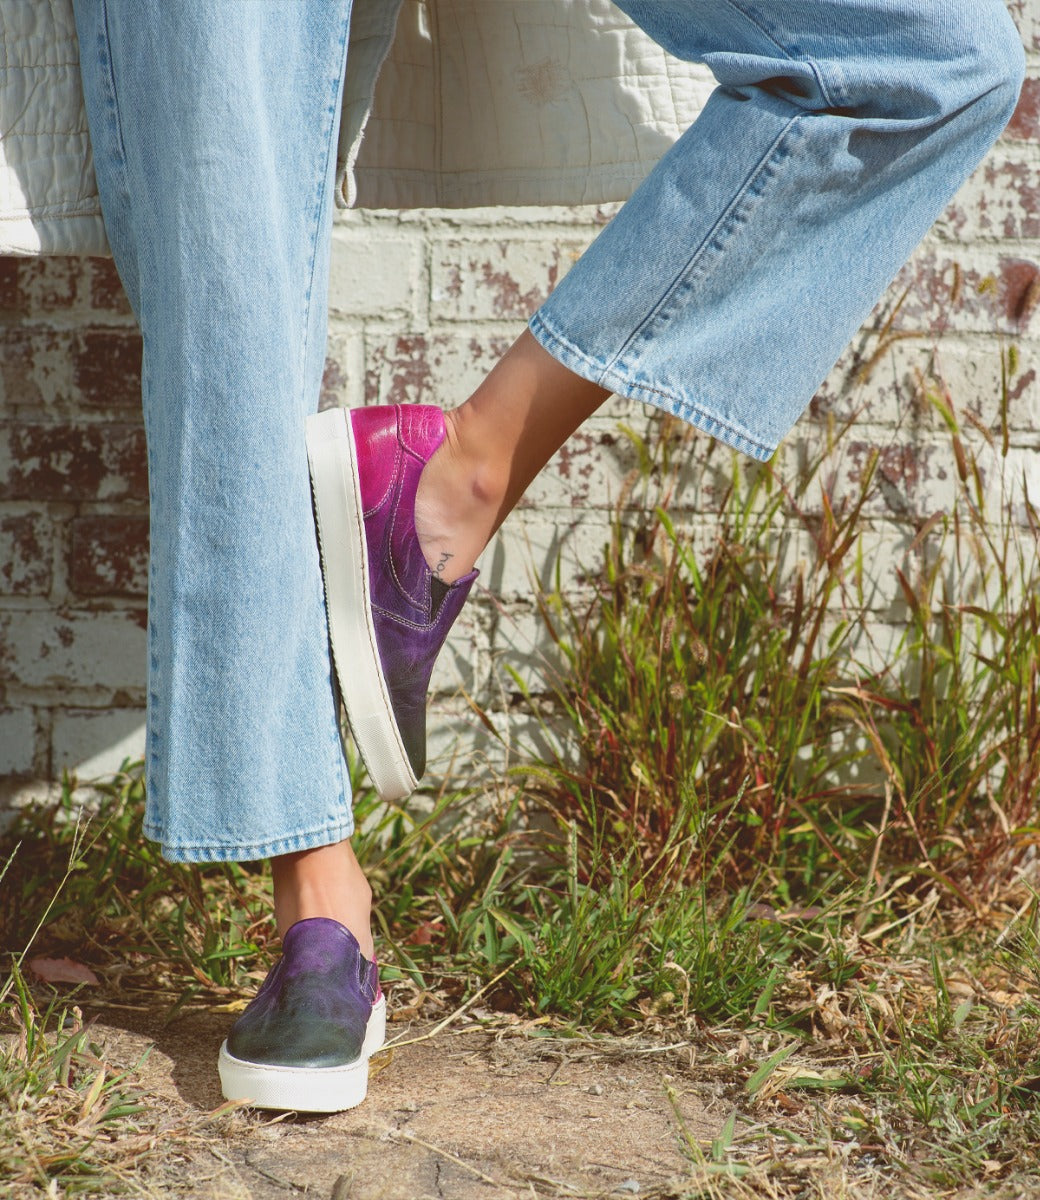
(726, 288)
(723, 292)
(214, 126)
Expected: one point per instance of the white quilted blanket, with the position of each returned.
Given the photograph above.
(478, 102)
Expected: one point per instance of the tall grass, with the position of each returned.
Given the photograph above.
(774, 838)
(730, 687)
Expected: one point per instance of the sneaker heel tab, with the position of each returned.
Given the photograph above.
(375, 436)
(420, 429)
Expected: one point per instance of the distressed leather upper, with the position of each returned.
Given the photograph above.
(479, 102)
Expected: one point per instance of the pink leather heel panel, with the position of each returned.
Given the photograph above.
(420, 429)
(376, 442)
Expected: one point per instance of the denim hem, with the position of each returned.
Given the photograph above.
(327, 835)
(597, 372)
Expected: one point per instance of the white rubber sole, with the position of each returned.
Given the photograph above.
(304, 1089)
(344, 561)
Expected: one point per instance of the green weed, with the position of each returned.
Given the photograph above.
(64, 1115)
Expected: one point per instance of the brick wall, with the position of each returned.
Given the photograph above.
(421, 305)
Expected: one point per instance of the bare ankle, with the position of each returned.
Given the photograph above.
(324, 882)
(457, 505)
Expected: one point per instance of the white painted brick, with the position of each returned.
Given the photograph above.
(81, 651)
(343, 381)
(533, 550)
(1000, 200)
(462, 664)
(430, 366)
(94, 744)
(525, 654)
(373, 274)
(497, 280)
(463, 752)
(588, 218)
(17, 741)
(897, 382)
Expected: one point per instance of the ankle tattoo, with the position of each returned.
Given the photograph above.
(445, 558)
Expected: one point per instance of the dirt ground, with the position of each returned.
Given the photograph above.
(467, 1114)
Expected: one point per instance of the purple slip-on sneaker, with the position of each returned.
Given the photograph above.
(305, 1039)
(388, 613)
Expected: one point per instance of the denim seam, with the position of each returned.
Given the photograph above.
(622, 385)
(683, 275)
(219, 851)
(111, 77)
(335, 742)
(807, 59)
(323, 190)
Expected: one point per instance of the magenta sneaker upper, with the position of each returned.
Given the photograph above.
(412, 610)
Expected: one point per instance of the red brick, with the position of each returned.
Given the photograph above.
(1026, 14)
(10, 284)
(109, 556)
(435, 368)
(1025, 122)
(106, 367)
(48, 285)
(26, 553)
(106, 288)
(72, 462)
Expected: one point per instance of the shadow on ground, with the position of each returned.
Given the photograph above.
(464, 1114)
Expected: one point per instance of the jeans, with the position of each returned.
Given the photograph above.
(214, 127)
(723, 292)
(726, 288)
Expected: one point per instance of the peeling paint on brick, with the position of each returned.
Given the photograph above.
(49, 285)
(1025, 122)
(333, 381)
(439, 368)
(85, 652)
(106, 288)
(10, 285)
(26, 551)
(72, 462)
(497, 280)
(106, 367)
(400, 374)
(109, 556)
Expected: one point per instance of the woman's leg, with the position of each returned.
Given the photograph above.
(726, 288)
(214, 127)
(723, 292)
(494, 446)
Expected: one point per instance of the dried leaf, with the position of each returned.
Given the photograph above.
(62, 970)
